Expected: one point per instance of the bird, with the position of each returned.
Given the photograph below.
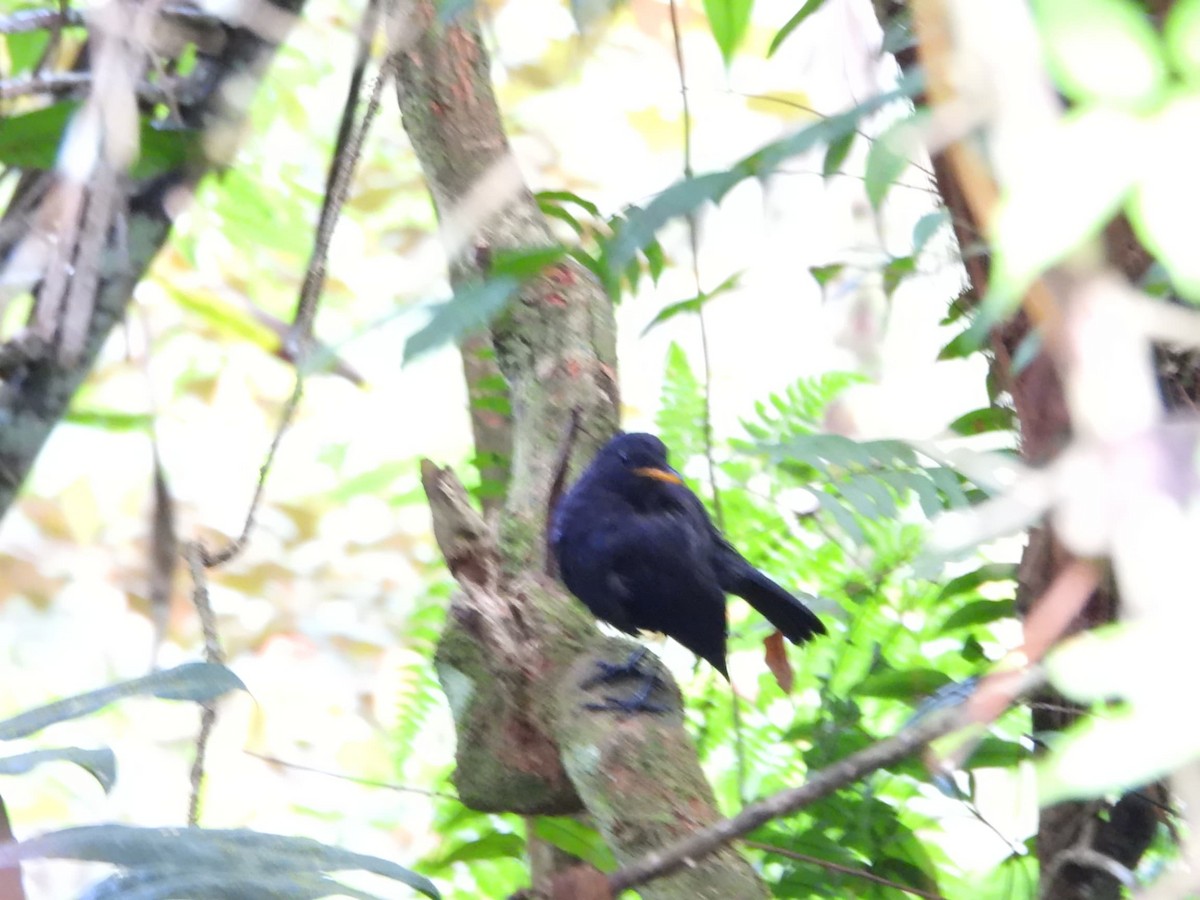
(637, 547)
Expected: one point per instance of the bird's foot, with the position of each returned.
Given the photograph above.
(626, 705)
(607, 673)
(637, 702)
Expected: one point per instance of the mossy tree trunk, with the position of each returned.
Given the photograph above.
(516, 645)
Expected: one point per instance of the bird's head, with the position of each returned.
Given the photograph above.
(632, 462)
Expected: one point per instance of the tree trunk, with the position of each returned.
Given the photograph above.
(516, 646)
(1122, 830)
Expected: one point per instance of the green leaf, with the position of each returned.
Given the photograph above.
(681, 407)
(995, 753)
(493, 845)
(981, 421)
(891, 153)
(898, 35)
(100, 763)
(159, 884)
(110, 420)
(1102, 50)
(825, 274)
(162, 149)
(577, 839)
(810, 7)
(685, 197)
(30, 141)
(680, 199)
(728, 20)
(656, 260)
(526, 262)
(927, 493)
(1162, 210)
(375, 482)
(1142, 740)
(868, 495)
(896, 271)
(692, 304)
(823, 451)
(547, 199)
(836, 153)
(557, 212)
(980, 612)
(1120, 750)
(24, 50)
(927, 226)
(1027, 351)
(765, 161)
(220, 857)
(1082, 667)
(897, 684)
(191, 681)
(1181, 33)
(947, 482)
(842, 516)
(985, 574)
(963, 345)
(226, 317)
(469, 310)
(1084, 167)
(254, 214)
(906, 872)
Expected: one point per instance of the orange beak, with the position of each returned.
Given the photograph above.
(658, 474)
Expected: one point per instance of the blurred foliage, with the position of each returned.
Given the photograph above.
(332, 616)
(1134, 96)
(899, 636)
(163, 863)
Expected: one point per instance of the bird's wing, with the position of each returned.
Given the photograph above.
(663, 575)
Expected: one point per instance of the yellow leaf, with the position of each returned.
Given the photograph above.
(787, 105)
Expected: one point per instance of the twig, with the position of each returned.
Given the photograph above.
(194, 553)
(365, 782)
(821, 784)
(739, 741)
(25, 20)
(208, 718)
(845, 870)
(57, 83)
(234, 547)
(347, 148)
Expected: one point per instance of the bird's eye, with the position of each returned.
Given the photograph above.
(624, 458)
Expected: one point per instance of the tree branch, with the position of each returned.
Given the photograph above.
(694, 848)
(37, 392)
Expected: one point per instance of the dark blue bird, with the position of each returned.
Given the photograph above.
(638, 548)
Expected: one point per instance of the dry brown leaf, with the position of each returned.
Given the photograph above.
(775, 653)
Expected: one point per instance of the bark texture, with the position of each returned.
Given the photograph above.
(516, 645)
(38, 383)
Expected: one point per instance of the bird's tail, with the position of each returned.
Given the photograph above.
(797, 622)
